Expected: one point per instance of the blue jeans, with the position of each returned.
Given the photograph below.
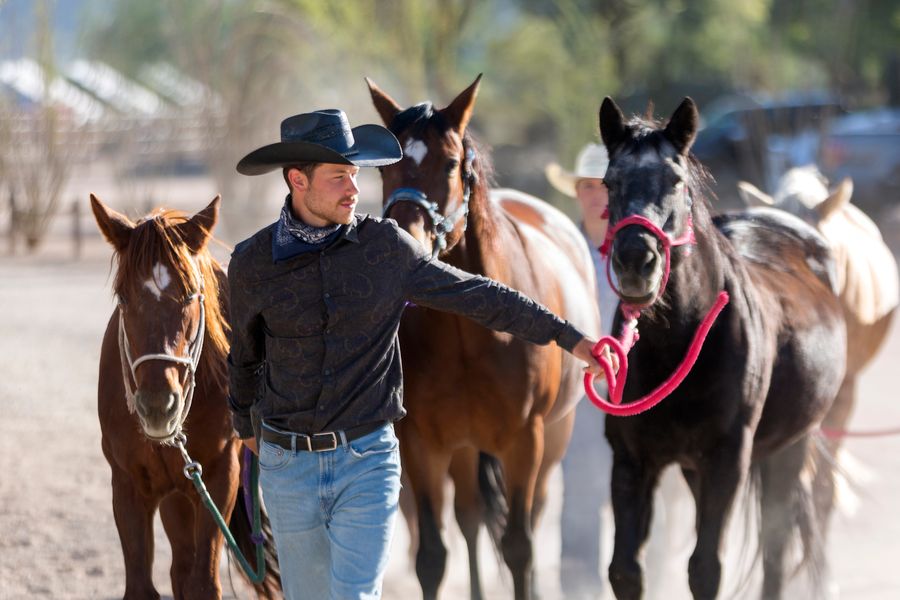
(333, 514)
(586, 470)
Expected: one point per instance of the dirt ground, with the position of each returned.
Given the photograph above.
(59, 540)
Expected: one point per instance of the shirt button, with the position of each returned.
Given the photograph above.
(328, 330)
(328, 371)
(327, 295)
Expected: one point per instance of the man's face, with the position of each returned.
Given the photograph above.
(592, 197)
(331, 195)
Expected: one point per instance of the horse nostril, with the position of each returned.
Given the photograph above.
(143, 409)
(172, 404)
(649, 264)
(617, 262)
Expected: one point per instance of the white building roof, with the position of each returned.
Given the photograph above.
(113, 88)
(27, 78)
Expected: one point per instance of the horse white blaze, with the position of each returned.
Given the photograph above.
(416, 150)
(159, 281)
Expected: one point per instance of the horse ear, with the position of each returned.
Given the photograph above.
(753, 196)
(682, 127)
(612, 125)
(839, 198)
(384, 104)
(115, 227)
(197, 230)
(459, 111)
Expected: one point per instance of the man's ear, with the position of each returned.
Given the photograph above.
(298, 179)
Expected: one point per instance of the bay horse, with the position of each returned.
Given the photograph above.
(867, 287)
(469, 389)
(171, 321)
(765, 377)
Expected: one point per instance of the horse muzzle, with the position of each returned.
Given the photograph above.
(638, 266)
(159, 412)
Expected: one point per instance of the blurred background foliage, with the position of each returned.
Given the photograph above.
(547, 64)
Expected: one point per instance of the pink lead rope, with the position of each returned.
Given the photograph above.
(616, 382)
(629, 334)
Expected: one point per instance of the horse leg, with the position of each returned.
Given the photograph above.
(824, 482)
(427, 471)
(556, 440)
(467, 505)
(134, 520)
(632, 501)
(222, 477)
(177, 514)
(408, 510)
(715, 488)
(781, 506)
(521, 461)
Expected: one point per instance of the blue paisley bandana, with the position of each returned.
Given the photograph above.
(302, 231)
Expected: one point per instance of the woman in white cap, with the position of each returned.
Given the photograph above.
(587, 464)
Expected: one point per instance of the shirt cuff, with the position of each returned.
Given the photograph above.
(242, 424)
(569, 337)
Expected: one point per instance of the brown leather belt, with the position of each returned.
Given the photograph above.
(317, 442)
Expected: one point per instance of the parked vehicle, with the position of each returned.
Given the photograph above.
(865, 146)
(756, 140)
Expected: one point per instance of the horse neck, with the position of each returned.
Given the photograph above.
(212, 371)
(697, 275)
(478, 245)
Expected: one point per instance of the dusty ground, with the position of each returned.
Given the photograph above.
(58, 538)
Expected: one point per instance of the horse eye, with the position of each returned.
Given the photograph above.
(451, 166)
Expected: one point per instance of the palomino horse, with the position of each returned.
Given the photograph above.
(867, 286)
(767, 374)
(171, 322)
(469, 389)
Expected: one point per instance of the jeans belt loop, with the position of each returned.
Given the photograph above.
(294, 444)
(344, 441)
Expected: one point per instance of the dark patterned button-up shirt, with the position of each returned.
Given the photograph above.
(314, 338)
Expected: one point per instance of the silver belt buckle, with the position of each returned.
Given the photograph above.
(334, 441)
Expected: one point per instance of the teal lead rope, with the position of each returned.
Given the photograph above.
(194, 472)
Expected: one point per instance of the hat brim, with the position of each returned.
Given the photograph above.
(564, 181)
(375, 147)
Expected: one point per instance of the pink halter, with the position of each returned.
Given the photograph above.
(629, 335)
(667, 242)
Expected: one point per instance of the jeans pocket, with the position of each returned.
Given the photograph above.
(382, 441)
(272, 456)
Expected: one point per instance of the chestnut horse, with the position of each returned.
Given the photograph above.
(765, 377)
(469, 389)
(867, 286)
(171, 321)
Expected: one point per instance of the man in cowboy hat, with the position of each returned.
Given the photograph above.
(588, 460)
(316, 301)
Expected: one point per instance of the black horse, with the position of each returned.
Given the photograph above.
(767, 374)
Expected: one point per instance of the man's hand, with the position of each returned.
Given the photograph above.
(251, 443)
(583, 351)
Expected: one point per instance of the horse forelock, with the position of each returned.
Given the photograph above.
(417, 117)
(154, 242)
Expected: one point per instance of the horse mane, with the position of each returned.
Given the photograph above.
(156, 239)
(774, 237)
(416, 120)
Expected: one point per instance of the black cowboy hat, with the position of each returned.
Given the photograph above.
(324, 136)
